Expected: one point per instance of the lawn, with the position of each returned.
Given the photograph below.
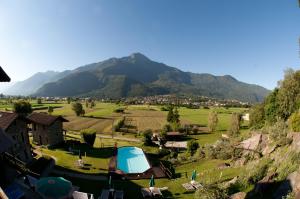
(207, 173)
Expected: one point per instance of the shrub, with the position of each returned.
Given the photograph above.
(211, 192)
(255, 171)
(50, 110)
(88, 136)
(119, 110)
(293, 160)
(278, 133)
(22, 107)
(192, 146)
(294, 122)
(147, 137)
(163, 152)
(119, 124)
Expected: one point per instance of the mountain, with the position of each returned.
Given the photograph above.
(137, 75)
(33, 83)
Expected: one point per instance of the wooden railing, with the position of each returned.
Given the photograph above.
(166, 170)
(18, 164)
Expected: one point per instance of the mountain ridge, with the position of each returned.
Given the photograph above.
(137, 75)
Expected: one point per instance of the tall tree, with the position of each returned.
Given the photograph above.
(289, 94)
(234, 127)
(212, 121)
(77, 108)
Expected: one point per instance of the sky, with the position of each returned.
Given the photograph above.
(254, 41)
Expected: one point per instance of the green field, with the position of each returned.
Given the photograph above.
(143, 117)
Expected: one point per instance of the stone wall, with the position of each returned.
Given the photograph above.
(19, 133)
(48, 135)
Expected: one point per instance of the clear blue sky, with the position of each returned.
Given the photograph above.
(253, 41)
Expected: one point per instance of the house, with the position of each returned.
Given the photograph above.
(47, 129)
(15, 126)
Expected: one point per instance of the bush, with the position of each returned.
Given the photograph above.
(293, 160)
(255, 171)
(211, 192)
(22, 107)
(119, 110)
(163, 152)
(294, 122)
(278, 132)
(147, 137)
(88, 136)
(192, 146)
(119, 124)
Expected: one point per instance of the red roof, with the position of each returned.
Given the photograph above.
(6, 119)
(44, 118)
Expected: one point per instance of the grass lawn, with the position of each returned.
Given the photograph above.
(207, 173)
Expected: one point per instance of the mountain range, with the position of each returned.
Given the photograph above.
(134, 75)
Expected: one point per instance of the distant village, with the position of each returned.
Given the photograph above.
(185, 101)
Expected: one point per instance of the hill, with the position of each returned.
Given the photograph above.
(137, 75)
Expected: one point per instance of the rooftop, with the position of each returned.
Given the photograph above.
(44, 118)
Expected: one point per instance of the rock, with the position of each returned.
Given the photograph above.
(231, 182)
(252, 143)
(268, 150)
(295, 136)
(223, 165)
(239, 195)
(294, 179)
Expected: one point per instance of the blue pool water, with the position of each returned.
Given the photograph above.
(132, 160)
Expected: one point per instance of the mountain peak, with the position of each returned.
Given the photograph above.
(139, 56)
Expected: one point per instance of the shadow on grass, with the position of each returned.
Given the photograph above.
(105, 152)
(266, 190)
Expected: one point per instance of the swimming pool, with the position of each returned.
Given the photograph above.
(132, 160)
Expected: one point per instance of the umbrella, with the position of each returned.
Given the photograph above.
(80, 155)
(194, 175)
(54, 187)
(152, 183)
(109, 181)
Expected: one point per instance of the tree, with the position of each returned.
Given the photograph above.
(86, 104)
(50, 110)
(147, 137)
(22, 107)
(257, 116)
(88, 136)
(69, 100)
(39, 101)
(176, 116)
(93, 104)
(289, 94)
(192, 146)
(234, 124)
(170, 115)
(212, 121)
(77, 108)
(271, 107)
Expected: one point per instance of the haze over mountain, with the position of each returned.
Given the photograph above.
(135, 75)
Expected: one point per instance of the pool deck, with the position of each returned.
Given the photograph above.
(155, 171)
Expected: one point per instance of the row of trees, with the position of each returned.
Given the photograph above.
(283, 103)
